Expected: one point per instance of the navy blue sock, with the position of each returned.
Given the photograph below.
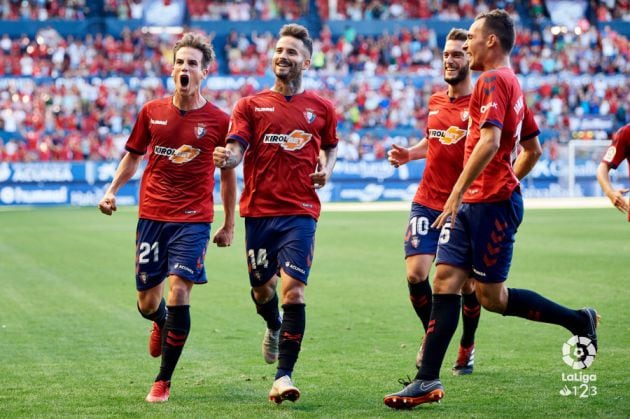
(291, 334)
(159, 316)
(269, 311)
(420, 296)
(173, 339)
(471, 309)
(442, 325)
(533, 306)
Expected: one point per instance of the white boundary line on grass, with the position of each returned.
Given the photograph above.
(530, 203)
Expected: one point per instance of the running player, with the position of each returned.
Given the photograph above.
(176, 204)
(287, 139)
(617, 153)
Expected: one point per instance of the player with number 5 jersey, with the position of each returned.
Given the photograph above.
(443, 148)
(484, 210)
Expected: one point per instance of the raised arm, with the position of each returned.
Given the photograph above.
(616, 196)
(126, 169)
(398, 155)
(225, 234)
(528, 157)
(228, 157)
(481, 155)
(325, 165)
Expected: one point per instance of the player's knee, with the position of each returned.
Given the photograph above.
(264, 293)
(416, 276)
(294, 295)
(491, 301)
(468, 287)
(148, 302)
(179, 294)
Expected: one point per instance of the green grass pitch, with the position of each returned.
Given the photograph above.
(73, 344)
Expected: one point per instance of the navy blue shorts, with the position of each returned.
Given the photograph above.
(482, 240)
(420, 238)
(170, 248)
(273, 243)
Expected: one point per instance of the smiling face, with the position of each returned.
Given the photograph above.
(188, 72)
(290, 58)
(455, 62)
(475, 46)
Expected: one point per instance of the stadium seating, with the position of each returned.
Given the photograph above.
(75, 96)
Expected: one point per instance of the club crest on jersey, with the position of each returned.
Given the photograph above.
(290, 142)
(200, 130)
(309, 115)
(464, 115)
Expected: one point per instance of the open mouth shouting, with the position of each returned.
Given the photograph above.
(184, 80)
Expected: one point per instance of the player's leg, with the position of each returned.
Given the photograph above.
(420, 295)
(291, 334)
(265, 299)
(295, 256)
(262, 265)
(151, 270)
(426, 386)
(187, 246)
(420, 247)
(491, 266)
(152, 306)
(471, 310)
(533, 306)
(453, 258)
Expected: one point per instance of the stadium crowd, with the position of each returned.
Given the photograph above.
(65, 98)
(352, 10)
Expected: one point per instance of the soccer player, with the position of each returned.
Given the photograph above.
(176, 204)
(617, 152)
(443, 148)
(287, 139)
(477, 236)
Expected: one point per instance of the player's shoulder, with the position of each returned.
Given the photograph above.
(623, 133)
(438, 97)
(162, 102)
(501, 75)
(216, 112)
(263, 96)
(315, 97)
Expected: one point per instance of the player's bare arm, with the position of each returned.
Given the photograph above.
(528, 157)
(325, 165)
(125, 171)
(616, 196)
(228, 157)
(398, 155)
(225, 234)
(481, 155)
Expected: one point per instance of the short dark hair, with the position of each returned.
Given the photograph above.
(298, 32)
(498, 22)
(457, 34)
(198, 42)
